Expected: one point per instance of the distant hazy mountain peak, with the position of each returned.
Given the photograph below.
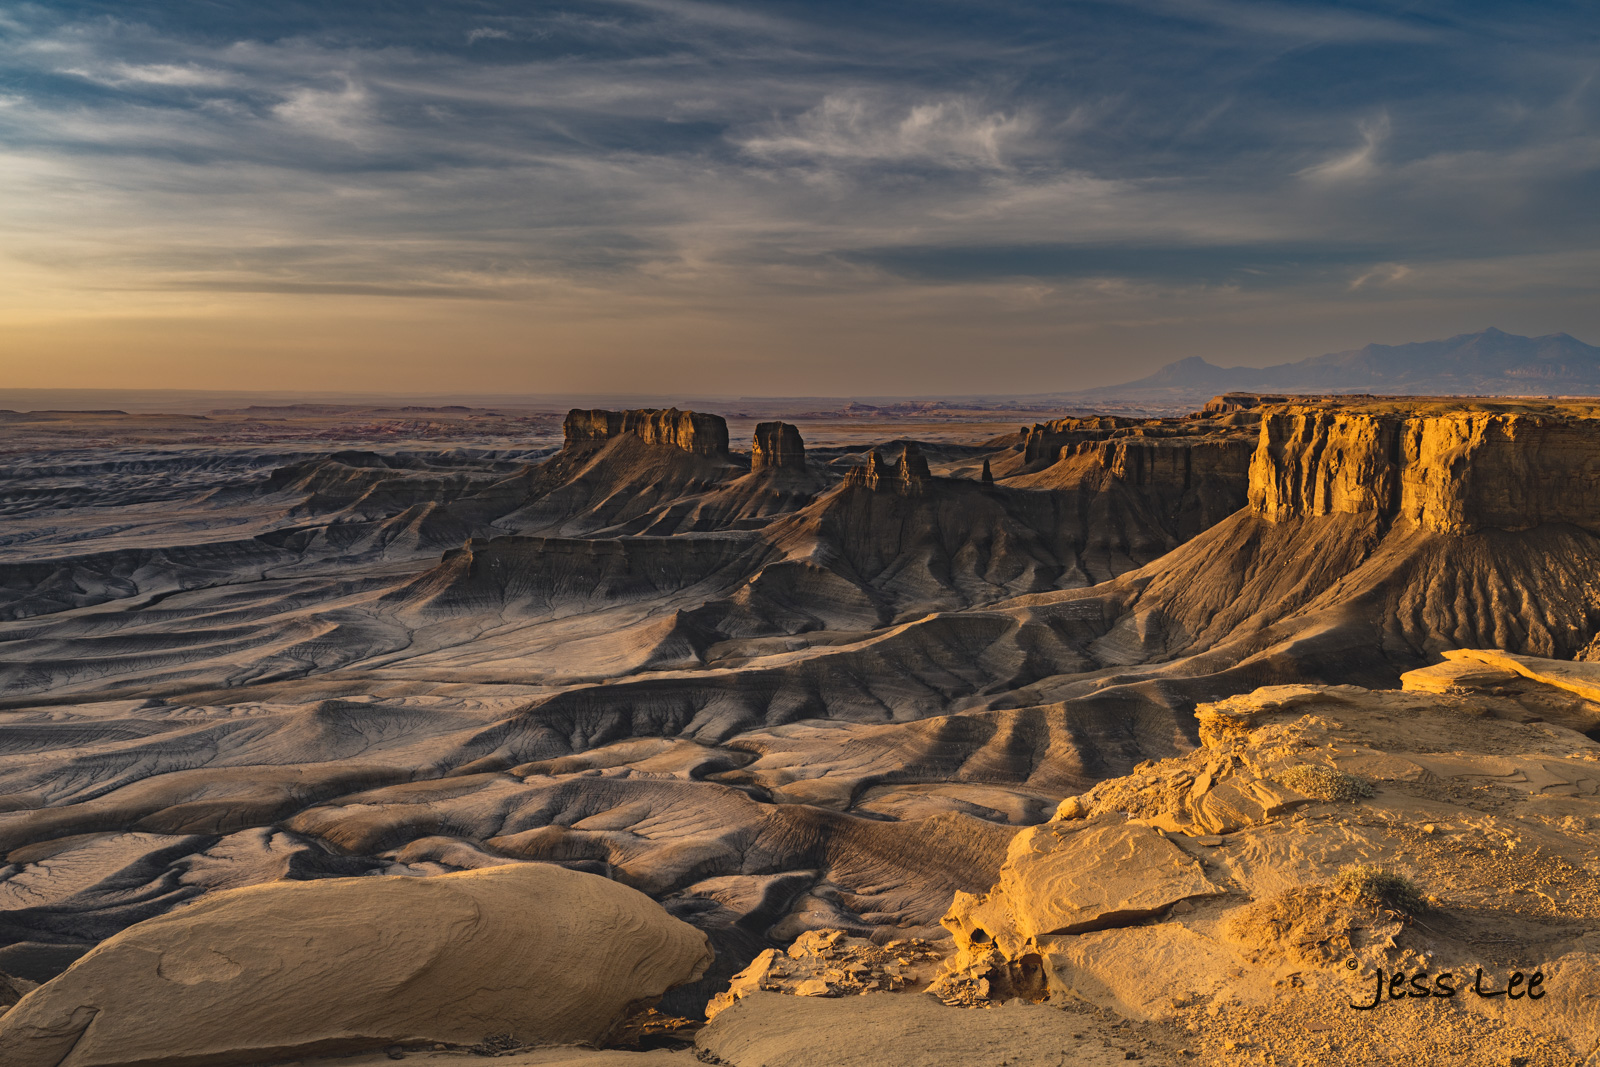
(1185, 371)
(1488, 362)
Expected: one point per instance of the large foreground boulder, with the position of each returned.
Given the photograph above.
(536, 951)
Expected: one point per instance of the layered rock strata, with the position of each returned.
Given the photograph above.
(1173, 463)
(1450, 471)
(1197, 464)
(777, 446)
(1049, 442)
(691, 431)
(1043, 441)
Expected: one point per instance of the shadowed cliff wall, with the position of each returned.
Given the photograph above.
(777, 446)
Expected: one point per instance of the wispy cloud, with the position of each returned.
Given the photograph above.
(183, 75)
(1058, 159)
(1382, 274)
(1360, 162)
(951, 131)
(345, 114)
(720, 16)
(1321, 23)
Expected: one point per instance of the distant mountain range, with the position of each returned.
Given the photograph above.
(1491, 363)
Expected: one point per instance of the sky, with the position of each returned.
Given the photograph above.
(780, 198)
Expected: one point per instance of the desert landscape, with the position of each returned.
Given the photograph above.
(1104, 737)
(654, 533)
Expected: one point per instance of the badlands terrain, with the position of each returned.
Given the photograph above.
(1096, 739)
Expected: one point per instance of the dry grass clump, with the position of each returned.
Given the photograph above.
(1325, 783)
(1379, 885)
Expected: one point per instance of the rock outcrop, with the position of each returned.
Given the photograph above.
(909, 476)
(1582, 679)
(1043, 441)
(1192, 471)
(1174, 463)
(913, 464)
(544, 954)
(1450, 471)
(1358, 834)
(830, 963)
(777, 446)
(1165, 480)
(1073, 877)
(1227, 403)
(691, 431)
(1379, 534)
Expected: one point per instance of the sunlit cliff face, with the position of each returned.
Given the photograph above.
(779, 198)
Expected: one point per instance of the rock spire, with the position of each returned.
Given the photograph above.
(909, 476)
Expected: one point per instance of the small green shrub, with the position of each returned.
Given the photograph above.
(1325, 783)
(1379, 885)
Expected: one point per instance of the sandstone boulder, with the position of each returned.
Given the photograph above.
(1067, 878)
(1580, 678)
(547, 955)
(1452, 675)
